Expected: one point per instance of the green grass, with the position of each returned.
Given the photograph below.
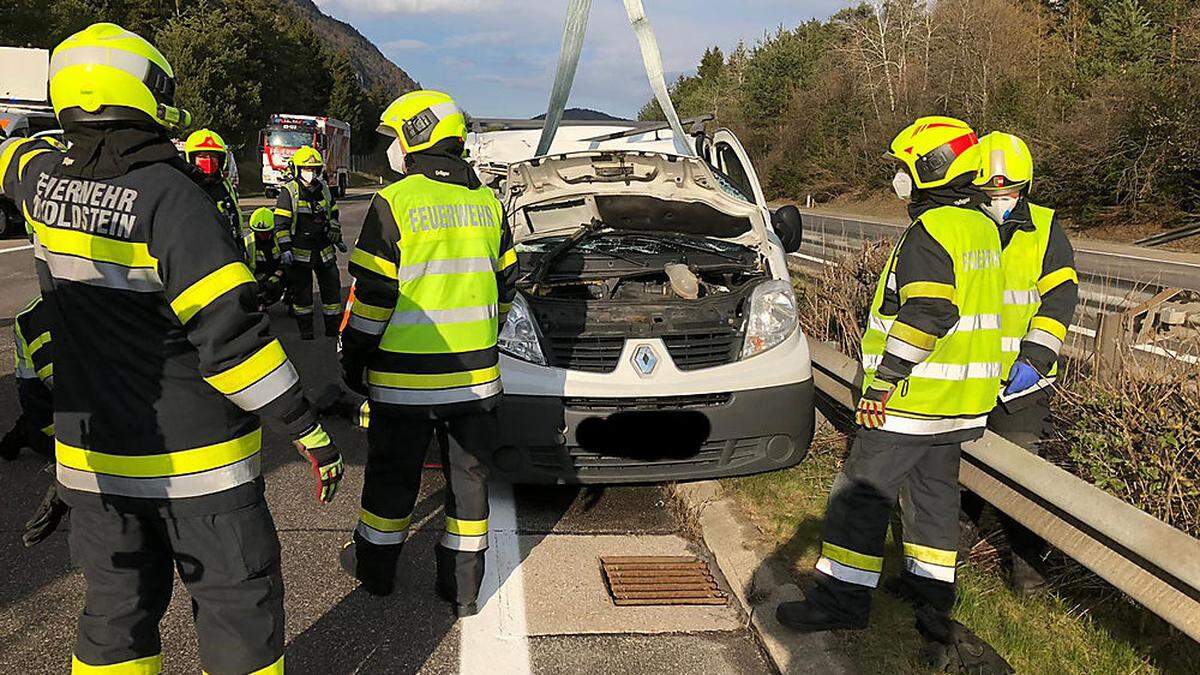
(1080, 628)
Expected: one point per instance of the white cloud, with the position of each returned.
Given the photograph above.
(404, 44)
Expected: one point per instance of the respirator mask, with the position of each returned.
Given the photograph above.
(1001, 206)
(308, 176)
(395, 156)
(208, 164)
(902, 183)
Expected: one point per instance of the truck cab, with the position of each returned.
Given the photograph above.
(285, 134)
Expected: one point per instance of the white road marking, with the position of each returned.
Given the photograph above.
(496, 641)
(26, 247)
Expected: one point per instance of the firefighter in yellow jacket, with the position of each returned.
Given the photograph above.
(434, 272)
(1041, 289)
(162, 370)
(308, 230)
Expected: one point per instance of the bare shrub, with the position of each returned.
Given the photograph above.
(1136, 435)
(834, 300)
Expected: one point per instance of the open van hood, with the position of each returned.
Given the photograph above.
(627, 190)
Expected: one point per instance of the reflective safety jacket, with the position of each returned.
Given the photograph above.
(434, 269)
(305, 225)
(934, 326)
(33, 355)
(231, 215)
(162, 365)
(1041, 289)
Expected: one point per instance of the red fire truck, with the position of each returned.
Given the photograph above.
(285, 134)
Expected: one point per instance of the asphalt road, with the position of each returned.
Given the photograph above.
(547, 608)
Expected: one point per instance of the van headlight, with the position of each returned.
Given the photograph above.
(519, 336)
(772, 317)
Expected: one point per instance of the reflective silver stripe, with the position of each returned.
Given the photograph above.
(881, 325)
(871, 361)
(1040, 337)
(302, 311)
(134, 64)
(956, 371)
(97, 273)
(444, 110)
(929, 570)
(266, 389)
(1029, 297)
(1010, 345)
(434, 396)
(458, 542)
(25, 372)
(331, 310)
(970, 322)
(898, 347)
(302, 255)
(846, 573)
(891, 281)
(166, 487)
(446, 266)
(50, 383)
(379, 537)
(366, 325)
(442, 316)
(918, 427)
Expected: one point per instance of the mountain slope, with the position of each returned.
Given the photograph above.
(374, 69)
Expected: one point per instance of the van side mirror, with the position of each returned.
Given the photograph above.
(789, 226)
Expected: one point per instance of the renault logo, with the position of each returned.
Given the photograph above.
(645, 360)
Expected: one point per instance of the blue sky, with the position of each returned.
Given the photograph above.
(497, 57)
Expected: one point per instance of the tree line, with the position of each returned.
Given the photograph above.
(1104, 91)
(235, 61)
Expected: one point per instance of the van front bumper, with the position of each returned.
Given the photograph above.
(582, 440)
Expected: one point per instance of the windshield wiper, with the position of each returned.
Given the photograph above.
(694, 246)
(547, 261)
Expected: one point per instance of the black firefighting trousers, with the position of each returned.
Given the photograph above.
(876, 473)
(1025, 422)
(395, 458)
(229, 563)
(300, 290)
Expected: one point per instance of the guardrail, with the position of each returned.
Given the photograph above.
(1150, 561)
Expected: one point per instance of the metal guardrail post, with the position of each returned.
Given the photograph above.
(1155, 564)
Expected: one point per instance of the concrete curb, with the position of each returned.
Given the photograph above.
(759, 583)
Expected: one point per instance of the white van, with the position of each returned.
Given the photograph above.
(654, 336)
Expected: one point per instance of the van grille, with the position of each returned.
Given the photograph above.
(688, 350)
(693, 351)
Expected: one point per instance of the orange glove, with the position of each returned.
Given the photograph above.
(325, 460)
(872, 407)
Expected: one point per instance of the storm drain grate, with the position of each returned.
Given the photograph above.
(660, 580)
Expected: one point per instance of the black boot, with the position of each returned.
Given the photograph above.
(332, 323)
(1026, 579)
(374, 573)
(806, 617)
(305, 323)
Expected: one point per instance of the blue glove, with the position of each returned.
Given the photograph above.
(1021, 377)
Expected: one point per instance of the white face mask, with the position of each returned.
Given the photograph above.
(1000, 207)
(395, 155)
(307, 176)
(902, 183)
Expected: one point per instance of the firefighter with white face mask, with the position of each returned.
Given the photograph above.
(931, 360)
(1041, 289)
(307, 227)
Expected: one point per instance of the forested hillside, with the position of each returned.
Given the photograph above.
(236, 61)
(1107, 92)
